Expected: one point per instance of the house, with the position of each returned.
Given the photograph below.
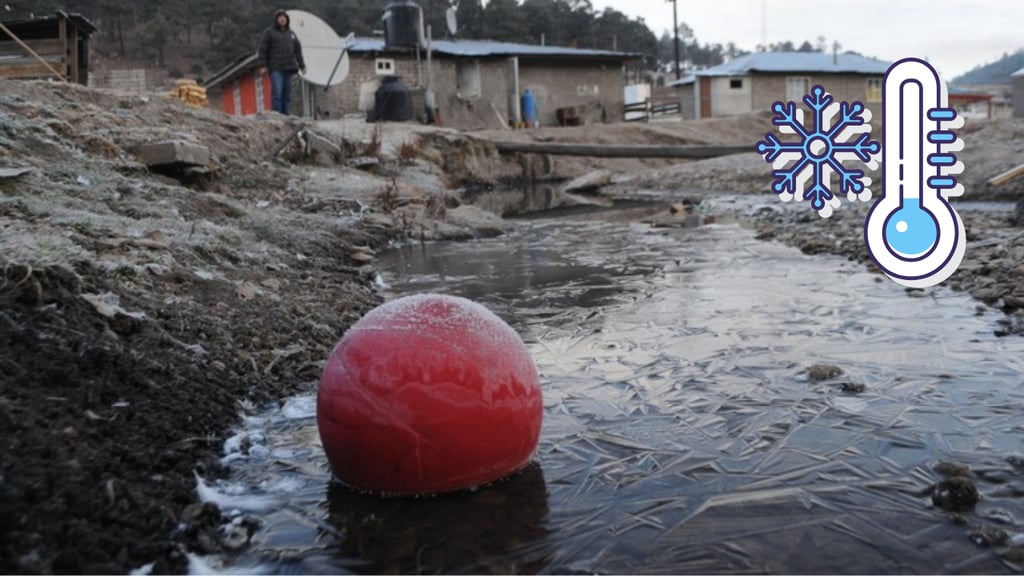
(476, 83)
(970, 103)
(1018, 93)
(752, 83)
(60, 44)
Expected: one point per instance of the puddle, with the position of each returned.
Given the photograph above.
(682, 432)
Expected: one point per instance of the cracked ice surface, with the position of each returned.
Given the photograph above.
(681, 432)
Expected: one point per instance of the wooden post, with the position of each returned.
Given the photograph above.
(1005, 177)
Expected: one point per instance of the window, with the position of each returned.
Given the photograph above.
(797, 87)
(385, 67)
(874, 90)
(736, 83)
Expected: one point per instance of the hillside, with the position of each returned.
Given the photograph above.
(997, 72)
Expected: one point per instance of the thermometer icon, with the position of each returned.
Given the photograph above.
(912, 232)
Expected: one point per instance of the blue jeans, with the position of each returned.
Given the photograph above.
(280, 90)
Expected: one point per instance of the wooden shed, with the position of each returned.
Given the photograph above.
(240, 89)
(38, 47)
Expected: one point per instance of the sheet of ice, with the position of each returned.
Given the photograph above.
(233, 497)
(681, 431)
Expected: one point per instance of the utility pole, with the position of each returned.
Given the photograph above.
(675, 32)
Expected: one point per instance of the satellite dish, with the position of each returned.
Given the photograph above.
(449, 18)
(325, 53)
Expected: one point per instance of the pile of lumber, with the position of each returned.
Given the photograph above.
(190, 93)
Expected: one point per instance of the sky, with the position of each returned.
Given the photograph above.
(954, 35)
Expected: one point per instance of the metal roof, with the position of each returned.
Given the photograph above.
(241, 65)
(38, 22)
(484, 48)
(685, 80)
(807, 62)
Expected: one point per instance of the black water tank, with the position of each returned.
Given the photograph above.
(402, 22)
(392, 101)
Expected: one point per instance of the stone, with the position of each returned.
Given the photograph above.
(173, 154)
(326, 152)
(819, 372)
(955, 494)
(589, 182)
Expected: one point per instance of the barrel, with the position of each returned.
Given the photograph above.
(392, 101)
(529, 105)
(402, 24)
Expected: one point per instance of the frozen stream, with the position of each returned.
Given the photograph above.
(682, 432)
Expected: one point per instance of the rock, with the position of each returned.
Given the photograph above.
(949, 469)
(173, 154)
(589, 182)
(1013, 302)
(853, 387)
(956, 494)
(988, 536)
(360, 256)
(819, 372)
(11, 173)
(325, 151)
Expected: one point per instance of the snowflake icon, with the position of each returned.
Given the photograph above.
(841, 134)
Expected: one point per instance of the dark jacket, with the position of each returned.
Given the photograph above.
(280, 48)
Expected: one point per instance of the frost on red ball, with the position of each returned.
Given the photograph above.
(428, 393)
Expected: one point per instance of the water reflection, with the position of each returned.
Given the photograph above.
(508, 269)
(468, 532)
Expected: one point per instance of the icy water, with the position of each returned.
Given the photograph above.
(682, 432)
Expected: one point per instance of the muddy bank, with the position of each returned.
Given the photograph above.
(142, 311)
(992, 269)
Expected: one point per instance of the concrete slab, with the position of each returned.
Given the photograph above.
(173, 153)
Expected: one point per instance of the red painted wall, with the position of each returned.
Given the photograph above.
(227, 98)
(245, 87)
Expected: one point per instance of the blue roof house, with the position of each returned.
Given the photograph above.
(751, 83)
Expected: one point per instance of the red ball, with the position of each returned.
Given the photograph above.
(428, 393)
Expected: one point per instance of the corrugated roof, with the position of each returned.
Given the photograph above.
(688, 79)
(808, 62)
(240, 65)
(484, 48)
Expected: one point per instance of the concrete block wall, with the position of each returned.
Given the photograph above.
(344, 98)
(129, 79)
(454, 111)
(597, 89)
(769, 88)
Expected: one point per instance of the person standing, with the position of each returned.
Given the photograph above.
(280, 52)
